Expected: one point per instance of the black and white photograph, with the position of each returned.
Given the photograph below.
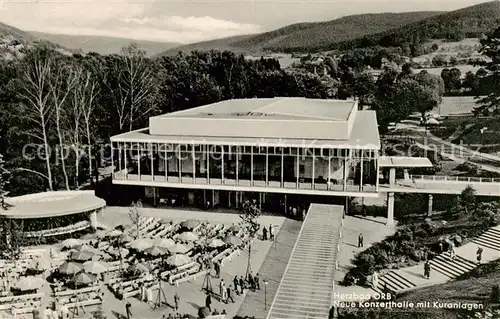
(250, 159)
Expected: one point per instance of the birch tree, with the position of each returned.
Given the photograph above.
(60, 87)
(136, 84)
(35, 94)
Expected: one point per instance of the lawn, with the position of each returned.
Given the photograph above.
(472, 134)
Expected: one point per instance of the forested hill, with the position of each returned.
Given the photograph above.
(306, 35)
(364, 30)
(469, 22)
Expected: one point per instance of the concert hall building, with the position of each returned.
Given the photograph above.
(269, 149)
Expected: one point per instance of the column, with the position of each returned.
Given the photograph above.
(282, 164)
(328, 180)
(361, 172)
(179, 161)
(166, 163)
(194, 163)
(406, 175)
(346, 169)
(377, 172)
(251, 165)
(297, 166)
(119, 158)
(139, 154)
(208, 164)
(152, 162)
(313, 168)
(429, 206)
(229, 199)
(213, 198)
(390, 209)
(222, 164)
(93, 219)
(125, 159)
(237, 199)
(260, 200)
(346, 209)
(267, 166)
(237, 169)
(285, 205)
(112, 160)
(392, 176)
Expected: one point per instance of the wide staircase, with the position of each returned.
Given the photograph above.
(306, 288)
(397, 281)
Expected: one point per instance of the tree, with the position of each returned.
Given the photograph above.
(468, 198)
(364, 88)
(35, 95)
(61, 85)
(490, 47)
(250, 213)
(135, 217)
(4, 179)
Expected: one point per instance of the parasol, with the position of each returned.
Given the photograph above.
(188, 236)
(30, 283)
(95, 267)
(178, 260)
(233, 240)
(179, 249)
(155, 251)
(70, 268)
(190, 224)
(83, 278)
(141, 244)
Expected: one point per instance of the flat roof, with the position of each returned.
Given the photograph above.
(52, 204)
(404, 161)
(364, 134)
(287, 108)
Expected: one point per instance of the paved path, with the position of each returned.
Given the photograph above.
(272, 270)
(443, 268)
(306, 288)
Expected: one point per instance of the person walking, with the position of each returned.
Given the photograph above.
(127, 309)
(264, 233)
(229, 295)
(176, 302)
(375, 280)
(235, 284)
(452, 251)
(479, 254)
(217, 269)
(360, 240)
(271, 232)
(222, 289)
(251, 282)
(241, 284)
(257, 281)
(441, 249)
(427, 269)
(208, 302)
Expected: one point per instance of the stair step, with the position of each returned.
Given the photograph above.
(394, 282)
(486, 243)
(494, 237)
(458, 262)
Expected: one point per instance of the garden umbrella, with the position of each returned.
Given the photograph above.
(81, 255)
(233, 240)
(188, 236)
(124, 238)
(139, 267)
(155, 251)
(30, 283)
(216, 242)
(88, 248)
(83, 278)
(141, 244)
(179, 249)
(70, 268)
(116, 251)
(178, 260)
(190, 224)
(113, 233)
(165, 221)
(234, 228)
(164, 242)
(203, 312)
(95, 267)
(72, 242)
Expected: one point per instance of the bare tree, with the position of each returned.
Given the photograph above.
(136, 82)
(35, 95)
(88, 92)
(60, 87)
(135, 217)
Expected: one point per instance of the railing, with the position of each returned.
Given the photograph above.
(438, 178)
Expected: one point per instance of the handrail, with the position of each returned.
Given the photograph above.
(472, 179)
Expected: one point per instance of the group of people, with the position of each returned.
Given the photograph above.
(266, 231)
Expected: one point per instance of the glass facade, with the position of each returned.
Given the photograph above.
(276, 167)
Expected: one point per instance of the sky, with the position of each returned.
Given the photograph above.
(188, 21)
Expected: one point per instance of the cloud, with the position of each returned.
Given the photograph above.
(118, 18)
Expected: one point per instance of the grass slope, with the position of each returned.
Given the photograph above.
(100, 44)
(310, 34)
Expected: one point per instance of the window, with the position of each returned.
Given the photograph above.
(302, 169)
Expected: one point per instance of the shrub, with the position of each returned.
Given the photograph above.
(495, 293)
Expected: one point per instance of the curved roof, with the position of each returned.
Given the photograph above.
(52, 204)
